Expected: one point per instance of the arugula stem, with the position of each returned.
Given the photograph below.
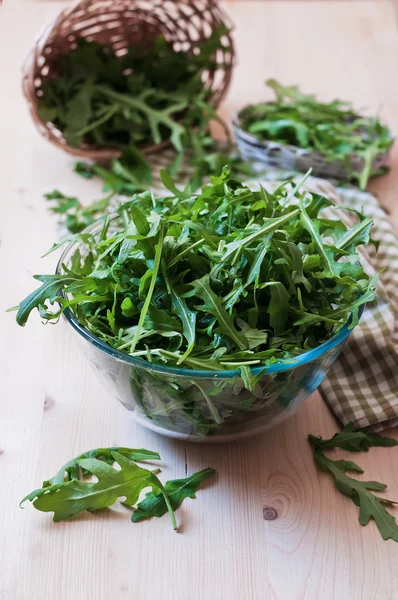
(369, 156)
(351, 235)
(108, 115)
(196, 364)
(209, 403)
(168, 504)
(158, 254)
(296, 188)
(179, 256)
(160, 116)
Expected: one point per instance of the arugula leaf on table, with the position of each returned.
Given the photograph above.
(353, 441)
(371, 506)
(70, 470)
(69, 498)
(70, 492)
(154, 505)
(75, 216)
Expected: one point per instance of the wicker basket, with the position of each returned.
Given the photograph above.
(122, 24)
(292, 158)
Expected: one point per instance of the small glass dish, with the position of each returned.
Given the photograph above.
(286, 157)
(199, 405)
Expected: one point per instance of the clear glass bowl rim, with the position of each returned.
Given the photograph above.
(280, 366)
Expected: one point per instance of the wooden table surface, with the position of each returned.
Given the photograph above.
(53, 408)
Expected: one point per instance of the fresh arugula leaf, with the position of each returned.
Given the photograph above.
(69, 492)
(154, 504)
(370, 505)
(70, 471)
(70, 498)
(48, 291)
(213, 305)
(188, 320)
(278, 306)
(75, 216)
(353, 441)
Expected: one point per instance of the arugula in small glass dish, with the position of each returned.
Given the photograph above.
(295, 131)
(212, 316)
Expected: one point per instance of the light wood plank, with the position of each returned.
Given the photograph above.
(225, 551)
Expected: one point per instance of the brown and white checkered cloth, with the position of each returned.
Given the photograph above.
(362, 385)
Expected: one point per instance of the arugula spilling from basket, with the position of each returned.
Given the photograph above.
(72, 489)
(229, 279)
(151, 94)
(127, 175)
(371, 506)
(333, 129)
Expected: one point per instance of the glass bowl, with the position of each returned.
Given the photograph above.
(200, 405)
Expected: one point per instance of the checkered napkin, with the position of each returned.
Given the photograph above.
(362, 385)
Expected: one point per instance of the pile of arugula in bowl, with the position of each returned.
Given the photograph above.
(225, 279)
(332, 129)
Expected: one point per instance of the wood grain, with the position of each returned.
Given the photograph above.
(52, 407)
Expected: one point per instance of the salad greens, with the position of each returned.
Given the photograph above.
(370, 505)
(228, 279)
(151, 94)
(128, 175)
(154, 504)
(333, 129)
(70, 491)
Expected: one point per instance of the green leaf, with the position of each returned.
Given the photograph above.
(68, 499)
(48, 291)
(371, 507)
(254, 273)
(357, 235)
(79, 112)
(177, 490)
(332, 268)
(140, 221)
(188, 320)
(278, 306)
(360, 492)
(47, 114)
(70, 471)
(213, 305)
(254, 337)
(128, 308)
(250, 381)
(156, 265)
(353, 441)
(161, 321)
(169, 184)
(84, 170)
